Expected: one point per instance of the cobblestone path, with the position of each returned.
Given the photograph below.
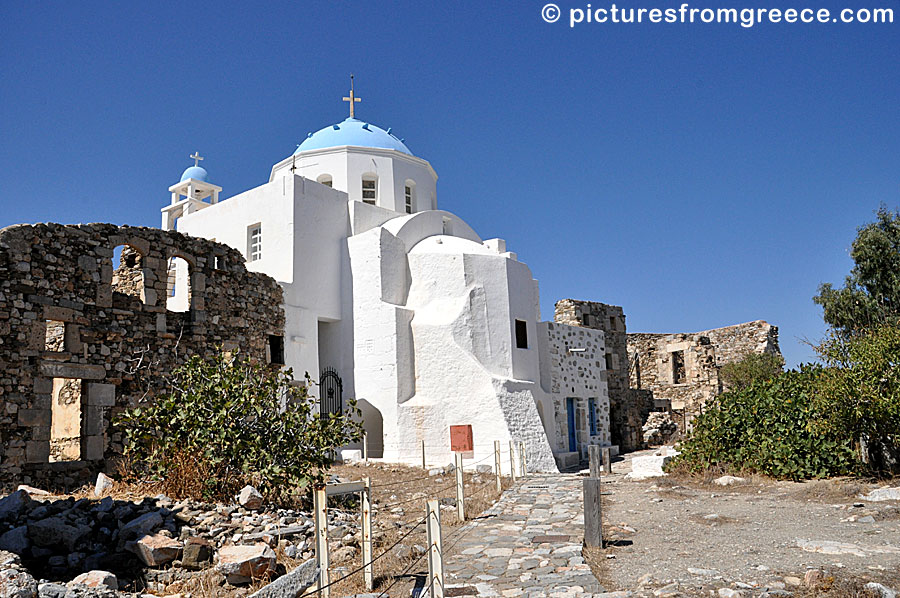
(497, 555)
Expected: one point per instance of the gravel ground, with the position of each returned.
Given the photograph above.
(705, 536)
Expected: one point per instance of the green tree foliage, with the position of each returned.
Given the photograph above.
(859, 393)
(871, 293)
(753, 367)
(240, 422)
(768, 428)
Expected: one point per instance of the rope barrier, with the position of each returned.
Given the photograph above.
(364, 565)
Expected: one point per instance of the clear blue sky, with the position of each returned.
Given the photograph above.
(698, 175)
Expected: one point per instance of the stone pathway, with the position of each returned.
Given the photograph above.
(495, 555)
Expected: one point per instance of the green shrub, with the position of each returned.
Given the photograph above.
(768, 427)
(753, 367)
(859, 393)
(239, 422)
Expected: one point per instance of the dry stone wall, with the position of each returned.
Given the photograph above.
(80, 340)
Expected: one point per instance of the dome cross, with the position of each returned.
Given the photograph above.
(196, 157)
(352, 99)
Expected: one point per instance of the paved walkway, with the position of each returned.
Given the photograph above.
(497, 556)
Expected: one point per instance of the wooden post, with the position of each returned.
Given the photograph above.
(522, 461)
(497, 465)
(607, 460)
(365, 447)
(460, 499)
(593, 532)
(368, 571)
(320, 508)
(435, 551)
(594, 457)
(423, 455)
(512, 460)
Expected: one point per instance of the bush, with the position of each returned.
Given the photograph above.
(752, 367)
(768, 427)
(236, 422)
(859, 393)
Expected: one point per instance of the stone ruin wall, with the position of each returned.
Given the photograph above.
(628, 407)
(702, 354)
(79, 342)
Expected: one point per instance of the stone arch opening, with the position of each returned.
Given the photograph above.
(178, 285)
(128, 272)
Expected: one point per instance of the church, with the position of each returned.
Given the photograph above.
(401, 305)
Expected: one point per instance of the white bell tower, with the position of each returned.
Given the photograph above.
(191, 194)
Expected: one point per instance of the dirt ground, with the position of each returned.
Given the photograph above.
(762, 533)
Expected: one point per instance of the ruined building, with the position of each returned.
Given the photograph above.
(82, 338)
(662, 372)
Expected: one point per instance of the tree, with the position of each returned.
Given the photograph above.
(233, 422)
(752, 367)
(871, 292)
(859, 393)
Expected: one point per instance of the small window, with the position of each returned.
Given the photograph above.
(54, 340)
(612, 322)
(609, 361)
(409, 195)
(276, 349)
(254, 243)
(447, 226)
(678, 374)
(521, 334)
(219, 262)
(369, 191)
(592, 416)
(586, 320)
(326, 180)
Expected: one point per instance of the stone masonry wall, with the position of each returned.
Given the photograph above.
(684, 368)
(111, 340)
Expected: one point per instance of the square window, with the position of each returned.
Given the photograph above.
(521, 334)
(276, 349)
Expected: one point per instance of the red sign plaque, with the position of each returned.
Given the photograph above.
(461, 439)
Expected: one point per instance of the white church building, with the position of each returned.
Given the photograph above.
(403, 306)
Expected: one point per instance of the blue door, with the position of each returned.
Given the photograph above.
(570, 417)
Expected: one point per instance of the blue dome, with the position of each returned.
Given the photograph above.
(195, 172)
(352, 132)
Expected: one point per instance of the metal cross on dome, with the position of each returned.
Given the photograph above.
(196, 157)
(352, 99)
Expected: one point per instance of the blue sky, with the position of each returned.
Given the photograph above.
(698, 175)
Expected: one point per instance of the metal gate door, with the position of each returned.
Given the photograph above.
(330, 392)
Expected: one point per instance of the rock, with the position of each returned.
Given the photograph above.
(351, 455)
(156, 550)
(885, 591)
(659, 428)
(620, 594)
(241, 564)
(54, 531)
(16, 540)
(97, 579)
(830, 547)
(14, 504)
(812, 578)
(882, 494)
(104, 484)
(866, 519)
(17, 584)
(728, 480)
(198, 554)
(343, 553)
(141, 526)
(250, 498)
(792, 581)
(52, 590)
(436, 471)
(33, 491)
(703, 572)
(729, 593)
(484, 468)
(8, 559)
(650, 466)
(292, 584)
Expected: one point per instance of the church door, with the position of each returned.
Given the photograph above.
(570, 419)
(330, 392)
